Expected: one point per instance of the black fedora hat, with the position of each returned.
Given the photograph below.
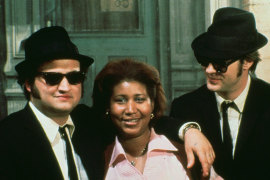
(232, 35)
(49, 43)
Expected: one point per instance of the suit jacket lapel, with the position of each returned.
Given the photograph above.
(250, 115)
(87, 140)
(211, 116)
(40, 145)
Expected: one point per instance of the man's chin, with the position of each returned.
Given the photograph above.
(64, 109)
(66, 105)
(213, 87)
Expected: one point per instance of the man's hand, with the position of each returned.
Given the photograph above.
(196, 142)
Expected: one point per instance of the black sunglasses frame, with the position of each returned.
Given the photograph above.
(54, 78)
(220, 67)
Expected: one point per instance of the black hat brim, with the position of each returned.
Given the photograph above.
(27, 66)
(223, 49)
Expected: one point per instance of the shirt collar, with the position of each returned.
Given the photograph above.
(239, 101)
(49, 126)
(159, 142)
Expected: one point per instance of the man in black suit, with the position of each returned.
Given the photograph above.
(232, 109)
(36, 143)
(32, 146)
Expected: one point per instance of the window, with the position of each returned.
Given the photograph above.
(93, 15)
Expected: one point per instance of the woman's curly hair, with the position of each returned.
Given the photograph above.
(118, 71)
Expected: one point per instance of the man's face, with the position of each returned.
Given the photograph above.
(230, 82)
(59, 99)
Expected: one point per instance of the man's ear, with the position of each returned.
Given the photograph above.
(247, 64)
(27, 86)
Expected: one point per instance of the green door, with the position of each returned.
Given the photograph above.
(102, 29)
(106, 30)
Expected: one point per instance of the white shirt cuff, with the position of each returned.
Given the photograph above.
(181, 130)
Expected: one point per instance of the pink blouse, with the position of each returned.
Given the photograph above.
(161, 164)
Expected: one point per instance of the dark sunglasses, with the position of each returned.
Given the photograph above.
(54, 78)
(220, 67)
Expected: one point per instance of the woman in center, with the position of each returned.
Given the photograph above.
(129, 97)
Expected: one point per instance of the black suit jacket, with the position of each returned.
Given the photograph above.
(26, 153)
(252, 153)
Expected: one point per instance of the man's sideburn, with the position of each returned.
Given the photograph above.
(240, 68)
(34, 91)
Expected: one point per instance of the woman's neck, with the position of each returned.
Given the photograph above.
(136, 150)
(137, 146)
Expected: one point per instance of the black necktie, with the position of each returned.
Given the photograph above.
(227, 138)
(72, 171)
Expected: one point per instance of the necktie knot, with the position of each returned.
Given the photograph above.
(62, 131)
(226, 104)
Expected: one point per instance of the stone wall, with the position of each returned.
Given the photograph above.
(261, 10)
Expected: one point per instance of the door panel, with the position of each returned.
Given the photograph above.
(187, 21)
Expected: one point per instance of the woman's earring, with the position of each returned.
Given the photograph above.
(152, 116)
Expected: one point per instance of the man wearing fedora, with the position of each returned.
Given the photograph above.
(232, 108)
(43, 141)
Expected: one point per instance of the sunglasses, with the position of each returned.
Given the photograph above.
(220, 67)
(54, 78)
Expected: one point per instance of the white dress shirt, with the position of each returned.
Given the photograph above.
(58, 145)
(234, 116)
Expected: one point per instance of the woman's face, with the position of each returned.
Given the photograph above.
(131, 108)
